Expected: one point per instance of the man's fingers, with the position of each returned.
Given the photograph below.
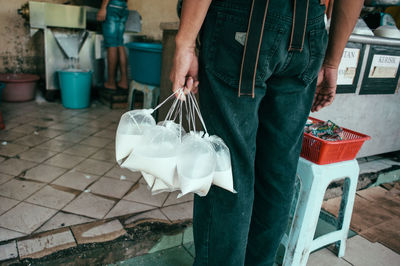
(321, 102)
(195, 87)
(189, 84)
(177, 83)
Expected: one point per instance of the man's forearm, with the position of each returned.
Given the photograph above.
(104, 3)
(344, 17)
(192, 17)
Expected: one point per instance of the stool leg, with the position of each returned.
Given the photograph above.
(148, 98)
(131, 96)
(156, 96)
(345, 211)
(305, 220)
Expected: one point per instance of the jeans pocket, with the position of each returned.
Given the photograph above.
(224, 56)
(317, 40)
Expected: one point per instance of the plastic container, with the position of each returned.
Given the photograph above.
(145, 62)
(322, 151)
(19, 87)
(75, 88)
(2, 85)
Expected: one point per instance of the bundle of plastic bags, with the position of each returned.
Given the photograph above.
(169, 158)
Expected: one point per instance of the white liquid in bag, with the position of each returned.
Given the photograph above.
(163, 168)
(149, 179)
(124, 145)
(157, 186)
(130, 130)
(175, 127)
(200, 186)
(223, 170)
(195, 165)
(224, 179)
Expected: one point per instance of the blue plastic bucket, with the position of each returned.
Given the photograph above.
(75, 88)
(145, 62)
(2, 86)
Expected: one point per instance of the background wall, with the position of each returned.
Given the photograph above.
(18, 51)
(21, 53)
(154, 12)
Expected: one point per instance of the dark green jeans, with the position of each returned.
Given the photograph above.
(264, 133)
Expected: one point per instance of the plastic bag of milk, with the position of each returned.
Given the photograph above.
(156, 155)
(170, 124)
(157, 186)
(130, 131)
(160, 186)
(149, 179)
(195, 164)
(223, 169)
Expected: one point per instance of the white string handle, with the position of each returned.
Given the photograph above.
(192, 113)
(169, 97)
(187, 115)
(180, 121)
(173, 106)
(171, 110)
(196, 107)
(191, 106)
(134, 120)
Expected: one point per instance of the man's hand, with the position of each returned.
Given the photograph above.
(184, 72)
(101, 15)
(185, 69)
(326, 87)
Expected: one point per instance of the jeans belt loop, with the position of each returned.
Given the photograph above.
(254, 35)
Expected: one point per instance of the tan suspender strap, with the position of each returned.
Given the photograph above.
(254, 36)
(300, 12)
(252, 47)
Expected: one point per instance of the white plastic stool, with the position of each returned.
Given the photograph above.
(150, 95)
(314, 181)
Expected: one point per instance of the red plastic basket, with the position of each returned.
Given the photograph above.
(322, 151)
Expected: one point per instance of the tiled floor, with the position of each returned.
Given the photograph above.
(57, 169)
(60, 185)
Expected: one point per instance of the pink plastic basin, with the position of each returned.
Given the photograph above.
(19, 87)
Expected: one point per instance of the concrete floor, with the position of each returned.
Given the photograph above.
(60, 187)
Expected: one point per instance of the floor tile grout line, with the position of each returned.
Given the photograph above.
(116, 203)
(40, 226)
(83, 215)
(25, 177)
(347, 261)
(166, 198)
(28, 195)
(23, 201)
(25, 234)
(52, 208)
(8, 198)
(190, 254)
(170, 220)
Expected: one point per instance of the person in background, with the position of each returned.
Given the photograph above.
(262, 66)
(113, 14)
